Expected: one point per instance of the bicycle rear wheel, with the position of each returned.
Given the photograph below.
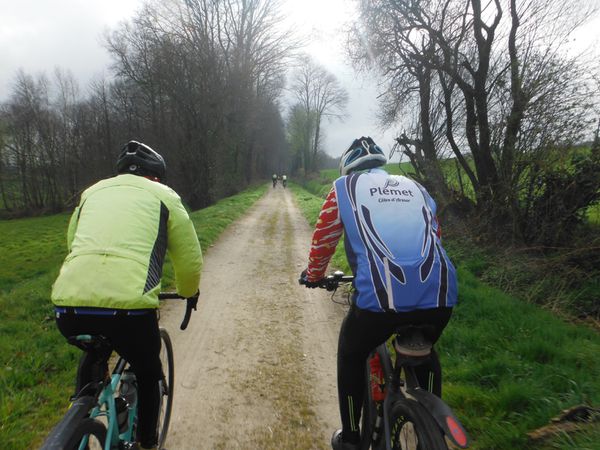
(90, 429)
(413, 428)
(166, 386)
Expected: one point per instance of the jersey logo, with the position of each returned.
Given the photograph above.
(391, 182)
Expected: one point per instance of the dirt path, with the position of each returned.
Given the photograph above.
(256, 367)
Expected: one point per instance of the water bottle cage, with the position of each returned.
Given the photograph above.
(128, 388)
(122, 408)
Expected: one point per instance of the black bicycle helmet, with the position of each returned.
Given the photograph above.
(363, 154)
(139, 159)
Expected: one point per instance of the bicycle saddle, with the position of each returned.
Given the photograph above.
(88, 342)
(412, 341)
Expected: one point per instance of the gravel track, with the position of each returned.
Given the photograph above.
(256, 367)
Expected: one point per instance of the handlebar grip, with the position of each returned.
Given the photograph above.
(330, 282)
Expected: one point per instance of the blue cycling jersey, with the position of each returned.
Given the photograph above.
(392, 243)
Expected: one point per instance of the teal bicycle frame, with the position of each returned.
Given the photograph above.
(98, 399)
(107, 407)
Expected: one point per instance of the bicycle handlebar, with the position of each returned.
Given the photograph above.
(170, 296)
(332, 282)
(192, 303)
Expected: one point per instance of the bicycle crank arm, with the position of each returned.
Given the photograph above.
(443, 415)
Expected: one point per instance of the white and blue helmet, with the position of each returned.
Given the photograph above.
(363, 154)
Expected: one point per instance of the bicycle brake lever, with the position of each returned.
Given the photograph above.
(192, 303)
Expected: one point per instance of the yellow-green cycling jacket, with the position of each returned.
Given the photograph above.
(117, 239)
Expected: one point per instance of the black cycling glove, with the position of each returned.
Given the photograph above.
(309, 284)
(193, 300)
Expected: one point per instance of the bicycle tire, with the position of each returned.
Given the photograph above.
(413, 428)
(166, 386)
(368, 425)
(87, 427)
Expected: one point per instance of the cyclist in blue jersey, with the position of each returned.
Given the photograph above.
(402, 273)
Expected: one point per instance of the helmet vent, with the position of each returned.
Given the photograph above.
(363, 154)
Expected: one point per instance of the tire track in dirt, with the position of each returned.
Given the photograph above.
(256, 368)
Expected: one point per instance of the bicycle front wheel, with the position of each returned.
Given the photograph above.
(413, 428)
(166, 386)
(89, 434)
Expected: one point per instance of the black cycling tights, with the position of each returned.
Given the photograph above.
(360, 333)
(135, 338)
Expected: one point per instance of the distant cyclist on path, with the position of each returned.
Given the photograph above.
(109, 283)
(402, 273)
(274, 178)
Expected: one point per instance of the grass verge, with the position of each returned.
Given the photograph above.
(37, 366)
(509, 366)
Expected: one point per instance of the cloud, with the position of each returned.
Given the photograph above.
(324, 24)
(39, 35)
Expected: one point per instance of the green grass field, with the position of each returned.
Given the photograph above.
(37, 366)
(509, 366)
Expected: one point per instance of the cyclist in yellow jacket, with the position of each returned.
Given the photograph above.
(109, 282)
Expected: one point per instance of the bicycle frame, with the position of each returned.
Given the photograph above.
(398, 388)
(98, 399)
(106, 407)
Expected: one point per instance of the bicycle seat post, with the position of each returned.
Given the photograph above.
(413, 349)
(396, 381)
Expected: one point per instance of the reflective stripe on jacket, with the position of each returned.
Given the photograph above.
(117, 240)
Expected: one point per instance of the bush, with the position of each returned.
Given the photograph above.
(563, 195)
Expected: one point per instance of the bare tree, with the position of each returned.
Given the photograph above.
(210, 72)
(197, 79)
(500, 72)
(320, 95)
(300, 130)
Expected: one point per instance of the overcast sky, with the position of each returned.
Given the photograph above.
(40, 35)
